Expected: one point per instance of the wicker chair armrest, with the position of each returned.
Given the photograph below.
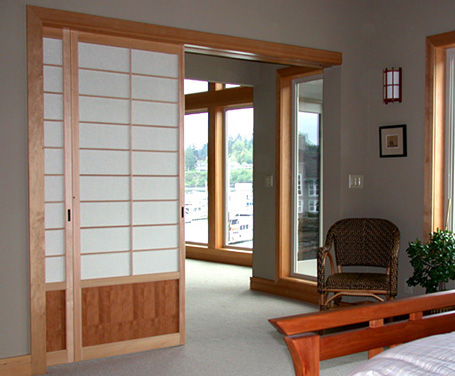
(323, 254)
(394, 266)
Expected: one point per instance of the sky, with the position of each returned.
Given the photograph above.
(309, 125)
(239, 122)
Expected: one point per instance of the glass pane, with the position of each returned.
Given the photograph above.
(195, 86)
(239, 178)
(196, 194)
(230, 86)
(307, 182)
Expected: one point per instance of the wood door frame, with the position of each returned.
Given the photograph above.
(192, 41)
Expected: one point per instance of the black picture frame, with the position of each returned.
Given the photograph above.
(392, 141)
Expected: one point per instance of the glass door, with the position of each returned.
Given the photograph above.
(306, 156)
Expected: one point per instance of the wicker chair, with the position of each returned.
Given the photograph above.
(359, 242)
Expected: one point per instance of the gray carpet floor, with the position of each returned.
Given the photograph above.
(227, 334)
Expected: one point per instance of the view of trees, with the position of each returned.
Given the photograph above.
(240, 163)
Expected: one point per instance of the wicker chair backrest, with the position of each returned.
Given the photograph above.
(364, 242)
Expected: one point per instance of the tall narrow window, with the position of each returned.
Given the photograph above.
(239, 178)
(196, 167)
(450, 138)
(307, 172)
(219, 172)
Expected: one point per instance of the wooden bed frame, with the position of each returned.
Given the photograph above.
(386, 324)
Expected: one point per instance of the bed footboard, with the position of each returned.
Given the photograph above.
(385, 324)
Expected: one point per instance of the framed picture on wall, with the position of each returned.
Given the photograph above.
(392, 141)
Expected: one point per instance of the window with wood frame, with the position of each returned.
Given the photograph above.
(438, 147)
(218, 130)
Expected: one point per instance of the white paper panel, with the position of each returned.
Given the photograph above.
(104, 84)
(155, 188)
(52, 51)
(153, 213)
(53, 106)
(102, 136)
(105, 214)
(53, 133)
(154, 88)
(55, 269)
(151, 113)
(155, 163)
(152, 138)
(104, 57)
(53, 161)
(152, 237)
(104, 266)
(105, 110)
(54, 188)
(104, 162)
(155, 63)
(104, 188)
(54, 215)
(54, 242)
(53, 79)
(164, 261)
(105, 239)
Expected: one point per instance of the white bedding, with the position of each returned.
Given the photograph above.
(433, 355)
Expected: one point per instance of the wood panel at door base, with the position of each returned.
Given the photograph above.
(125, 312)
(55, 321)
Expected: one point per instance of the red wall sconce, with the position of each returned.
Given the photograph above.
(392, 80)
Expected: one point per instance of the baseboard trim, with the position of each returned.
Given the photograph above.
(289, 287)
(132, 346)
(224, 256)
(16, 366)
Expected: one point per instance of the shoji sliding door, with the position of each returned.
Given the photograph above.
(113, 234)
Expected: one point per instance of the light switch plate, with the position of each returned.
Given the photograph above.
(355, 181)
(269, 180)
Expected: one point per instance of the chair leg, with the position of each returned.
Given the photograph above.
(322, 301)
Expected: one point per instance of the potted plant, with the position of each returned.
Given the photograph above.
(434, 262)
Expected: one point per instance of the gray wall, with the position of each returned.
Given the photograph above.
(371, 35)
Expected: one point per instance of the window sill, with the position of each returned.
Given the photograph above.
(222, 255)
